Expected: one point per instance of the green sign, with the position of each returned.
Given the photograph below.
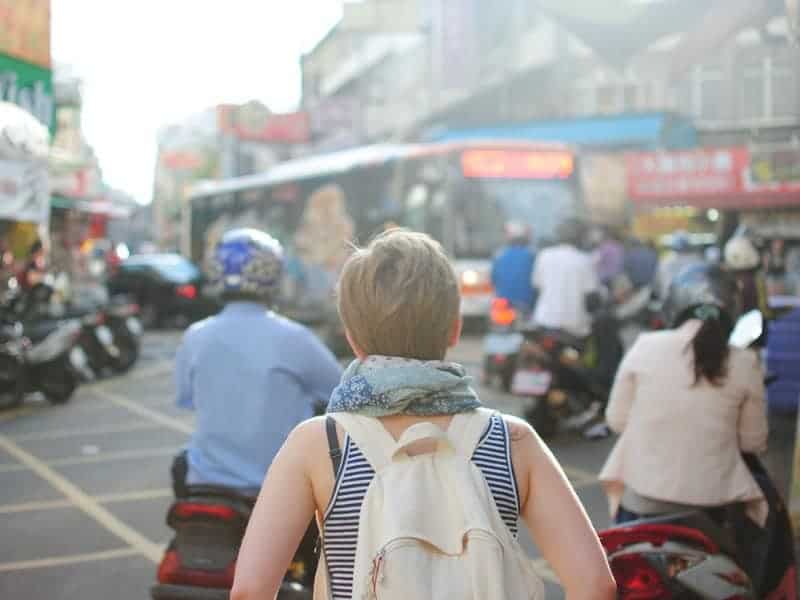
(28, 86)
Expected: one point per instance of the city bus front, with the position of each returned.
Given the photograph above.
(467, 195)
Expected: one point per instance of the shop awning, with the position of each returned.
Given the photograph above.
(95, 207)
(652, 130)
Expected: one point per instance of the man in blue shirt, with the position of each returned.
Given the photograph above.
(250, 374)
(512, 268)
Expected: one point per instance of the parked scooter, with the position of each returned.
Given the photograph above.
(55, 364)
(200, 561)
(695, 555)
(12, 365)
(502, 344)
(122, 318)
(53, 361)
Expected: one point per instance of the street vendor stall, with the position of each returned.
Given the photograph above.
(24, 187)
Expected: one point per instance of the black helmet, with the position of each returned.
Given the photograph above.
(698, 285)
(571, 231)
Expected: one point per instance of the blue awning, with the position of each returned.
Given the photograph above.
(641, 131)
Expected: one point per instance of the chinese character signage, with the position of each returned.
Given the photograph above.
(719, 177)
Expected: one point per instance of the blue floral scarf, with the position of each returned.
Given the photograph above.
(378, 386)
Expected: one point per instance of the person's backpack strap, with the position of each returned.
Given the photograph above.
(376, 444)
(333, 444)
(466, 429)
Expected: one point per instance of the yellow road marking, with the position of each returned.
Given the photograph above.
(72, 559)
(7, 509)
(12, 467)
(15, 413)
(153, 494)
(147, 413)
(66, 433)
(579, 476)
(84, 502)
(97, 458)
(112, 456)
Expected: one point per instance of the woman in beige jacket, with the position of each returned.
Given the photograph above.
(687, 405)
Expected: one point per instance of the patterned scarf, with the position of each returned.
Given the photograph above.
(379, 386)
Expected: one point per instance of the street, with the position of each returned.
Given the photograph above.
(84, 487)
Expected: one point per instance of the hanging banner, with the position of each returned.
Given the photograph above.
(24, 191)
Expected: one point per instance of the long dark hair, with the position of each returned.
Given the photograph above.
(710, 344)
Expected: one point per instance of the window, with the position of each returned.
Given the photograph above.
(751, 92)
(709, 93)
(783, 89)
(767, 87)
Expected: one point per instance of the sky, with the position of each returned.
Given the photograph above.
(150, 63)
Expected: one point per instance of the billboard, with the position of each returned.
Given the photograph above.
(25, 31)
(28, 86)
(255, 122)
(736, 177)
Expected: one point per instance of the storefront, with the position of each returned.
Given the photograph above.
(24, 188)
(714, 189)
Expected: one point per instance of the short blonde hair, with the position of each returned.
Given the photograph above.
(399, 296)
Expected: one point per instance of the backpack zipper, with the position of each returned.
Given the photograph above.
(376, 576)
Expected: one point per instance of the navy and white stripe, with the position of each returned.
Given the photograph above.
(492, 456)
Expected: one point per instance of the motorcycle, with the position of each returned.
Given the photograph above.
(52, 361)
(637, 313)
(12, 365)
(553, 375)
(502, 344)
(199, 563)
(122, 318)
(701, 555)
(692, 555)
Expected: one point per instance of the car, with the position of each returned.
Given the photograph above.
(167, 287)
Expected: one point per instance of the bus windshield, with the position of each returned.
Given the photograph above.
(482, 207)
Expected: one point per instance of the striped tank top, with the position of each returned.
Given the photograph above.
(492, 456)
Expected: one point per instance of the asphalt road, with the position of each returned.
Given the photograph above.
(84, 487)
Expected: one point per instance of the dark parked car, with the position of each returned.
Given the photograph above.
(167, 287)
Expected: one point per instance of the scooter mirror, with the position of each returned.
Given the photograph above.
(748, 329)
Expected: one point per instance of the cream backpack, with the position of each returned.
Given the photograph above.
(429, 528)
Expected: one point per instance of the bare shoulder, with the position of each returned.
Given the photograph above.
(307, 440)
(518, 429)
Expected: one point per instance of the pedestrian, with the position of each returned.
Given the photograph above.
(399, 301)
(250, 375)
(512, 268)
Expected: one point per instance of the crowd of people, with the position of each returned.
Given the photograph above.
(399, 302)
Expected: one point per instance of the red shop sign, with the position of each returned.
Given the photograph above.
(685, 174)
(714, 177)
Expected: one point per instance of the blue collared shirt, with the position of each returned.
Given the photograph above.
(251, 376)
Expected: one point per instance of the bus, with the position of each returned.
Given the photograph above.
(463, 194)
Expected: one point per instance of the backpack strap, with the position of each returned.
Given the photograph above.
(466, 429)
(333, 444)
(376, 444)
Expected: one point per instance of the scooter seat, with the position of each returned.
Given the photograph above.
(699, 520)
